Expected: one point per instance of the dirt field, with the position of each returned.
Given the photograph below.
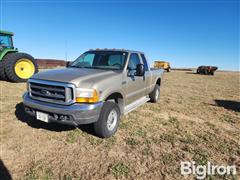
(197, 118)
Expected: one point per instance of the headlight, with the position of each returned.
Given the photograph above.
(84, 95)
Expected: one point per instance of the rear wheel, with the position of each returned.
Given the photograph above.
(155, 94)
(108, 121)
(19, 67)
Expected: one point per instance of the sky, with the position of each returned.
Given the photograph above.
(185, 33)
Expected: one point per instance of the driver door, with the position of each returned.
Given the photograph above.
(135, 84)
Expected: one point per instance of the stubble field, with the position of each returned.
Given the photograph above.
(197, 119)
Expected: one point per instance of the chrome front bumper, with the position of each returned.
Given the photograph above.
(74, 114)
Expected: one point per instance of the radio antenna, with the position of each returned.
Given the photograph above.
(66, 50)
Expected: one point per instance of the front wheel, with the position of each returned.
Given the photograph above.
(19, 67)
(155, 94)
(108, 122)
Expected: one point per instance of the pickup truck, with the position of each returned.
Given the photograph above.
(98, 87)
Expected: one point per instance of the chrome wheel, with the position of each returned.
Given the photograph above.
(112, 120)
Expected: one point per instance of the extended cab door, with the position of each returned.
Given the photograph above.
(135, 84)
(148, 75)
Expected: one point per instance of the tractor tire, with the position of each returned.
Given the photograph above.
(3, 75)
(19, 67)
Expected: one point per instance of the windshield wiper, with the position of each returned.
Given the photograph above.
(91, 67)
(76, 66)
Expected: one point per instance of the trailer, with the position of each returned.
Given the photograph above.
(207, 70)
(162, 64)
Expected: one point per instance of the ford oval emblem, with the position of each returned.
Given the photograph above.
(45, 92)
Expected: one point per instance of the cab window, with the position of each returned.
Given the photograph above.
(5, 41)
(144, 62)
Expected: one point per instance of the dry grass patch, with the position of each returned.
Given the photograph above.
(196, 119)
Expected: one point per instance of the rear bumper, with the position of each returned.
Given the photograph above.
(74, 114)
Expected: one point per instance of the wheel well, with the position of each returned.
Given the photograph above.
(159, 82)
(117, 98)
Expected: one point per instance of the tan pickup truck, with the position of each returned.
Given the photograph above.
(98, 87)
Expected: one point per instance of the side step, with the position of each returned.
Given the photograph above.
(135, 104)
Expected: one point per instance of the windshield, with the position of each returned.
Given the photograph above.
(5, 41)
(112, 60)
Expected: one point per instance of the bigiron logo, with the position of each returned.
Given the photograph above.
(201, 171)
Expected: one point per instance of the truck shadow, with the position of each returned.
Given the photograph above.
(227, 104)
(4, 173)
(31, 121)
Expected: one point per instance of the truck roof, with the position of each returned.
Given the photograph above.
(6, 33)
(113, 49)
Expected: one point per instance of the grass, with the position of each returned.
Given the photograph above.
(229, 119)
(132, 142)
(73, 136)
(94, 140)
(123, 125)
(171, 138)
(174, 121)
(187, 139)
(141, 132)
(120, 169)
(37, 172)
(109, 143)
(186, 125)
(207, 137)
(167, 159)
(147, 151)
(200, 156)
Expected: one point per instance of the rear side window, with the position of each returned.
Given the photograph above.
(133, 61)
(144, 62)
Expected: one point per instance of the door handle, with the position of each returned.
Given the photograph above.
(124, 82)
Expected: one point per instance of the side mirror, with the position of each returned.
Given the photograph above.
(140, 70)
(68, 63)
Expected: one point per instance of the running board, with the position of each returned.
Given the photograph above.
(135, 104)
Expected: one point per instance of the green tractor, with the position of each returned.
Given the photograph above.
(14, 66)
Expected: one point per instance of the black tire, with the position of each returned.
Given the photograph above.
(10, 61)
(100, 127)
(155, 94)
(206, 72)
(3, 75)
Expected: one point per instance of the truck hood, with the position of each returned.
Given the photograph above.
(74, 75)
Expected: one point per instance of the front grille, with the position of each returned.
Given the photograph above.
(54, 92)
